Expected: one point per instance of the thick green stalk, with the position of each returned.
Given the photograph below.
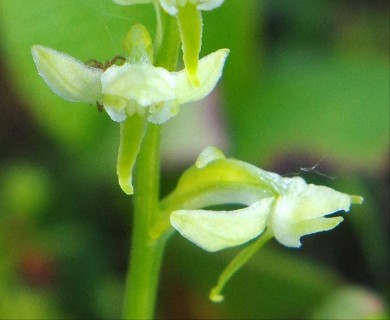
(146, 253)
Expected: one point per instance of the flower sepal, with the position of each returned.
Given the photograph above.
(68, 77)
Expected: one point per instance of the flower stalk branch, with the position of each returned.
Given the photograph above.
(145, 253)
(234, 265)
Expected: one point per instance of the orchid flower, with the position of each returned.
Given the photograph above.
(274, 207)
(128, 92)
(190, 23)
(288, 207)
(127, 89)
(131, 88)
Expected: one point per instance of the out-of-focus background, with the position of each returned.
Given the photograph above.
(305, 92)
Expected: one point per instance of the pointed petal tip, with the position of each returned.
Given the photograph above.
(131, 135)
(216, 297)
(357, 199)
(131, 2)
(126, 188)
(225, 51)
(39, 51)
(208, 155)
(35, 48)
(292, 238)
(209, 72)
(210, 5)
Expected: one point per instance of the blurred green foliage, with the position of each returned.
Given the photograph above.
(306, 83)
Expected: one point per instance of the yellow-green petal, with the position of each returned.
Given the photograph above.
(138, 45)
(315, 225)
(301, 209)
(209, 155)
(130, 2)
(220, 181)
(209, 72)
(131, 135)
(115, 107)
(190, 23)
(162, 112)
(68, 77)
(209, 4)
(217, 230)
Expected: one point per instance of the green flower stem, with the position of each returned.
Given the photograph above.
(167, 52)
(146, 253)
(236, 264)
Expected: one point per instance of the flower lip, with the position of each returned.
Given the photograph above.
(302, 210)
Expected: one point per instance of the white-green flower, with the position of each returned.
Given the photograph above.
(289, 208)
(173, 6)
(301, 209)
(189, 19)
(274, 207)
(130, 92)
(130, 88)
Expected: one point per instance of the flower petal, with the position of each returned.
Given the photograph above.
(163, 112)
(115, 107)
(66, 76)
(315, 225)
(209, 72)
(221, 181)
(217, 230)
(169, 6)
(301, 208)
(138, 45)
(316, 201)
(190, 23)
(143, 83)
(209, 155)
(209, 4)
(130, 2)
